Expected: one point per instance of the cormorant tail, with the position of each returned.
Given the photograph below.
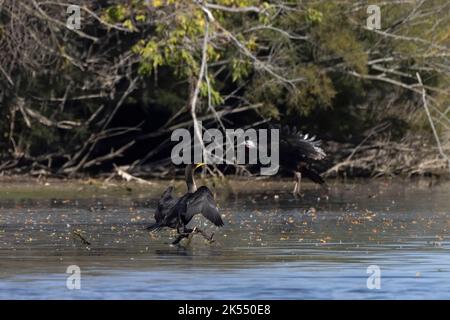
(312, 174)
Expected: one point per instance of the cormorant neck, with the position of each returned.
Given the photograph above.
(190, 181)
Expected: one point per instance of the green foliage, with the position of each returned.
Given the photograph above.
(314, 16)
(316, 91)
(296, 58)
(336, 36)
(240, 69)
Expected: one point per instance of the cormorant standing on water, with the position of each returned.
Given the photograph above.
(176, 213)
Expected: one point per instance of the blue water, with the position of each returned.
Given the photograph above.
(269, 249)
(280, 281)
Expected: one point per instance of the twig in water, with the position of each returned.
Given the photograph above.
(83, 239)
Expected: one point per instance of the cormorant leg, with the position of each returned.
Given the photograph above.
(294, 192)
(298, 177)
(188, 230)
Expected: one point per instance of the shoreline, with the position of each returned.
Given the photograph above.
(25, 186)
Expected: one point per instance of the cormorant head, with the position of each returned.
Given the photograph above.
(250, 144)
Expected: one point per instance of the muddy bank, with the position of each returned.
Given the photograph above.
(24, 186)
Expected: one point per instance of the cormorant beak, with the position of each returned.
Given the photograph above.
(198, 165)
(249, 144)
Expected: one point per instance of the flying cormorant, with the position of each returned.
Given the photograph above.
(297, 152)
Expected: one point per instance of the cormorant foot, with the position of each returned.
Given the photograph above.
(191, 234)
(180, 237)
(211, 240)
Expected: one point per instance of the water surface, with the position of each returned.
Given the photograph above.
(273, 246)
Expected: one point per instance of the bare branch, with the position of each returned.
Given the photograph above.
(427, 111)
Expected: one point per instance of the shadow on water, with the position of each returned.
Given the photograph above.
(273, 246)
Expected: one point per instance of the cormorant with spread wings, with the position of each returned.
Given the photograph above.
(176, 213)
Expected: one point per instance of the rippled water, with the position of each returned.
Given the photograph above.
(272, 247)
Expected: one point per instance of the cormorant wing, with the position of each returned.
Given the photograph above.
(202, 201)
(165, 203)
(293, 142)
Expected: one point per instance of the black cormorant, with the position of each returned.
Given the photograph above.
(176, 213)
(297, 151)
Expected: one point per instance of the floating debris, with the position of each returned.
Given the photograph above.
(83, 240)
